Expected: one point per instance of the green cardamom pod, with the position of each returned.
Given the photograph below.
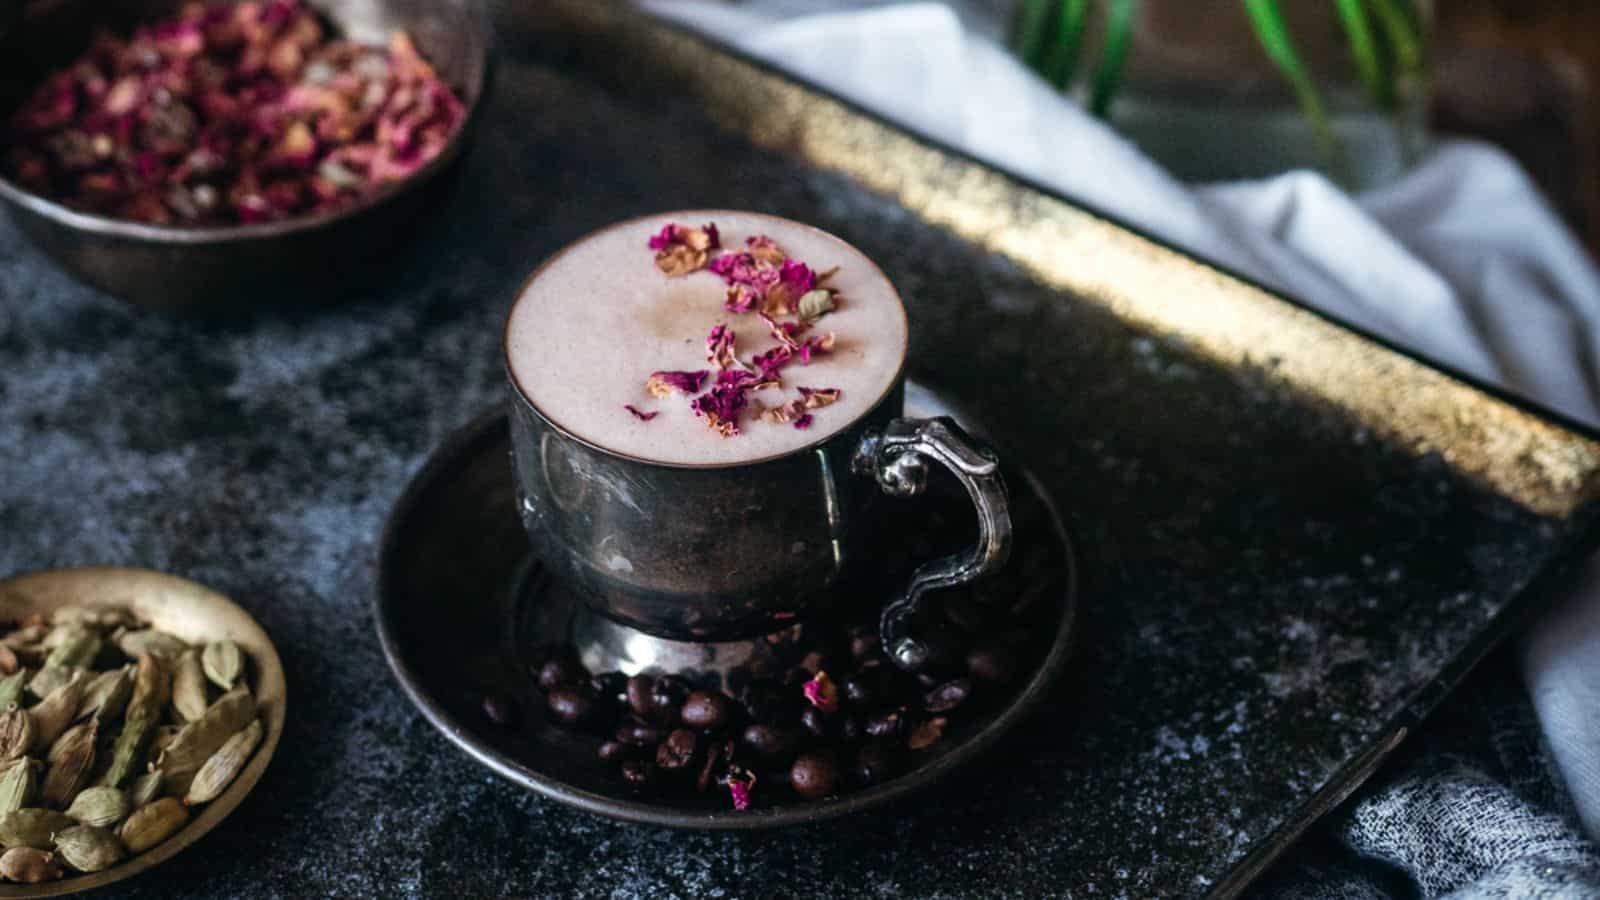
(152, 824)
(78, 648)
(204, 736)
(102, 806)
(148, 641)
(52, 714)
(11, 687)
(50, 678)
(189, 687)
(88, 848)
(106, 695)
(145, 789)
(32, 827)
(223, 766)
(71, 762)
(17, 732)
(94, 616)
(17, 785)
(224, 663)
(163, 737)
(26, 865)
(152, 685)
(27, 636)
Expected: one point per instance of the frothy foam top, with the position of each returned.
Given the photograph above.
(600, 317)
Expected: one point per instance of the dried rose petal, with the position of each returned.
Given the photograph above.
(796, 411)
(741, 784)
(816, 345)
(663, 384)
(666, 238)
(720, 348)
(764, 250)
(741, 298)
(784, 414)
(784, 332)
(816, 398)
(227, 114)
(681, 250)
(722, 406)
(770, 361)
(821, 692)
(639, 414)
(746, 269)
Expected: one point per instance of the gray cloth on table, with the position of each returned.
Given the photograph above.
(1476, 810)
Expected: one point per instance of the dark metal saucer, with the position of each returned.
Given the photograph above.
(456, 580)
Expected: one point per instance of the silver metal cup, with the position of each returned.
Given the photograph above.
(724, 553)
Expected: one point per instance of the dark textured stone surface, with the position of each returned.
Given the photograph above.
(1266, 587)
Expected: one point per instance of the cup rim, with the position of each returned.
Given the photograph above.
(675, 215)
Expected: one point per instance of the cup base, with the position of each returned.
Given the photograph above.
(549, 611)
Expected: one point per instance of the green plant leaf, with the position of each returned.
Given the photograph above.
(1267, 20)
(1364, 49)
(1119, 35)
(1028, 38)
(1061, 63)
(1403, 33)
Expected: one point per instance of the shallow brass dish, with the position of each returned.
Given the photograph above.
(191, 612)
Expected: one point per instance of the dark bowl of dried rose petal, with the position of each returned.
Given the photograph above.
(205, 156)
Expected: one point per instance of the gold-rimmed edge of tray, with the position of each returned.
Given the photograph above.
(189, 611)
(1530, 456)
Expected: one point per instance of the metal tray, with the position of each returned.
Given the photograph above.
(1293, 539)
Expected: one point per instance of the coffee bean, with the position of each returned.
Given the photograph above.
(849, 729)
(886, 725)
(858, 690)
(639, 734)
(948, 696)
(768, 741)
(608, 685)
(714, 755)
(570, 706)
(561, 671)
(874, 763)
(666, 696)
(637, 772)
(678, 750)
(639, 689)
(614, 751)
(501, 711)
(812, 720)
(670, 688)
(928, 680)
(763, 702)
(814, 775)
(707, 710)
(992, 664)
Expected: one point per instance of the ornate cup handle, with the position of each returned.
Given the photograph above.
(898, 459)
